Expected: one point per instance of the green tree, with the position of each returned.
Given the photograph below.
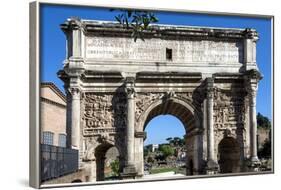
(145, 152)
(265, 151)
(176, 141)
(263, 122)
(169, 139)
(137, 20)
(150, 159)
(166, 150)
(115, 167)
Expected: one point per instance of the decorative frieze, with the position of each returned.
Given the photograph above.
(229, 109)
(103, 112)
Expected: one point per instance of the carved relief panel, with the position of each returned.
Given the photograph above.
(229, 114)
(103, 113)
(103, 121)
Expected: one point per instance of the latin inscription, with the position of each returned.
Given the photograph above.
(155, 50)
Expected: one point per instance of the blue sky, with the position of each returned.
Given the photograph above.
(52, 51)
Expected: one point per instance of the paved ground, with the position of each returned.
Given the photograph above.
(160, 175)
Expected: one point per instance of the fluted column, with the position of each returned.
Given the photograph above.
(130, 125)
(252, 91)
(130, 170)
(68, 117)
(75, 117)
(212, 165)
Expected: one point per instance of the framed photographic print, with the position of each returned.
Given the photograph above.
(126, 94)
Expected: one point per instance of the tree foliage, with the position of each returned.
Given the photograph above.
(115, 167)
(176, 141)
(138, 20)
(145, 151)
(150, 159)
(166, 150)
(265, 151)
(263, 122)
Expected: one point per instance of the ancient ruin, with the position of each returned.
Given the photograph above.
(206, 77)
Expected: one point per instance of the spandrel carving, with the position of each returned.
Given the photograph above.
(229, 109)
(97, 110)
(144, 100)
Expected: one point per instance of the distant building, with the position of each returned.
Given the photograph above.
(53, 115)
(152, 147)
(155, 147)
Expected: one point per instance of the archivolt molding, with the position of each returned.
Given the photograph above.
(146, 102)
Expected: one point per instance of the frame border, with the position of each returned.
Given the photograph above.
(34, 92)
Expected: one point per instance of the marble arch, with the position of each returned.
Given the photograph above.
(115, 85)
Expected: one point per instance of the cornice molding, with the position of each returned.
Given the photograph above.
(111, 28)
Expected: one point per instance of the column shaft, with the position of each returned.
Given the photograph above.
(130, 130)
(253, 125)
(210, 122)
(212, 165)
(75, 118)
(129, 171)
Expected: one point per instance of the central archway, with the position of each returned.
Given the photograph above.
(164, 146)
(190, 118)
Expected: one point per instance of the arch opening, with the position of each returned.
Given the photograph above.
(181, 110)
(107, 162)
(229, 155)
(182, 152)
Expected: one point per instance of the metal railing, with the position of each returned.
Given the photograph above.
(57, 161)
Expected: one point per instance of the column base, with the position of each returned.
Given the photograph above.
(129, 172)
(212, 167)
(254, 164)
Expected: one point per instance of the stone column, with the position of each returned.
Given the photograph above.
(68, 117)
(212, 165)
(75, 117)
(252, 91)
(130, 170)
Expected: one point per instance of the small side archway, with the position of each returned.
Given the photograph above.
(229, 155)
(101, 155)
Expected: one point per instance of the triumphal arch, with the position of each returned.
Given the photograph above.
(206, 77)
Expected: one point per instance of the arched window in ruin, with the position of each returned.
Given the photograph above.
(107, 162)
(229, 155)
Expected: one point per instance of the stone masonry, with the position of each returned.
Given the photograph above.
(115, 86)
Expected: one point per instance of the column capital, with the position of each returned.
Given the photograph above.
(250, 33)
(252, 90)
(75, 92)
(210, 87)
(129, 87)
